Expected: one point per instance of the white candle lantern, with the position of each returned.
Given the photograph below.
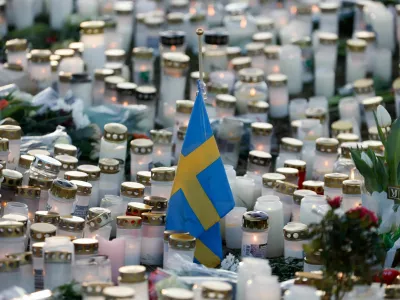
(363, 89)
(153, 25)
(16, 50)
(333, 183)
(278, 95)
(62, 197)
(126, 93)
(269, 181)
(298, 196)
(308, 204)
(152, 239)
(261, 134)
(179, 142)
(109, 177)
(250, 87)
(10, 273)
(257, 111)
(213, 290)
(356, 60)
(12, 237)
(272, 61)
(142, 65)
(290, 148)
(40, 68)
(369, 37)
(351, 194)
(110, 91)
(30, 196)
(117, 57)
(181, 244)
(233, 230)
(144, 177)
(291, 65)
(383, 69)
(172, 41)
(69, 62)
(326, 156)
(98, 223)
(240, 63)
(304, 18)
(59, 13)
(134, 276)
(291, 174)
(161, 181)
(370, 106)
(114, 141)
(130, 228)
(326, 52)
(174, 68)
(124, 17)
(182, 116)
(376, 146)
(147, 95)
(255, 51)
(162, 150)
(83, 198)
(131, 192)
(225, 105)
(284, 190)
(255, 234)
(71, 226)
(329, 17)
(228, 140)
(296, 235)
(92, 37)
(57, 268)
(93, 178)
(264, 37)
(141, 156)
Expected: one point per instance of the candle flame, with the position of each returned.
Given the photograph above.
(192, 11)
(159, 152)
(351, 174)
(222, 75)
(293, 10)
(253, 92)
(243, 23)
(114, 99)
(315, 9)
(275, 69)
(125, 103)
(173, 48)
(143, 68)
(255, 238)
(211, 10)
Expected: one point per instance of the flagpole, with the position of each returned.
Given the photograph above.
(199, 33)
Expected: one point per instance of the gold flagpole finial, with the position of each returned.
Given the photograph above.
(200, 33)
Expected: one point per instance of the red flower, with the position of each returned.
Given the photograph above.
(51, 39)
(3, 104)
(335, 202)
(387, 276)
(368, 217)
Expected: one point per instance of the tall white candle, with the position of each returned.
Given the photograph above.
(324, 82)
(326, 51)
(255, 234)
(233, 230)
(291, 66)
(356, 60)
(383, 66)
(92, 37)
(351, 194)
(278, 95)
(308, 204)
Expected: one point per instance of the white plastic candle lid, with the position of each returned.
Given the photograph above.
(118, 292)
(15, 217)
(218, 286)
(43, 227)
(177, 294)
(295, 227)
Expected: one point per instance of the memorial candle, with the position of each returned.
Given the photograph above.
(284, 190)
(94, 179)
(333, 183)
(257, 111)
(161, 181)
(326, 156)
(92, 37)
(370, 106)
(255, 234)
(172, 41)
(225, 105)
(142, 65)
(296, 235)
(134, 276)
(329, 17)
(152, 238)
(130, 228)
(162, 150)
(298, 196)
(24, 14)
(299, 165)
(259, 162)
(182, 115)
(351, 194)
(16, 51)
(356, 60)
(308, 204)
(326, 52)
(278, 95)
(290, 148)
(255, 51)
(124, 17)
(109, 177)
(369, 37)
(272, 61)
(261, 134)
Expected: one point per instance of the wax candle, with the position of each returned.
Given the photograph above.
(363, 89)
(265, 37)
(274, 208)
(96, 268)
(326, 52)
(134, 276)
(307, 57)
(324, 82)
(298, 196)
(93, 173)
(272, 61)
(269, 181)
(296, 235)
(255, 234)
(182, 116)
(12, 237)
(162, 150)
(132, 192)
(382, 70)
(250, 87)
(308, 132)
(370, 106)
(333, 183)
(11, 180)
(144, 177)
(240, 62)
(30, 196)
(109, 177)
(341, 126)
(349, 109)
(153, 25)
(266, 24)
(161, 181)
(291, 65)
(84, 248)
(376, 146)
(257, 111)
(278, 95)
(83, 197)
(114, 141)
(300, 166)
(62, 196)
(223, 78)
(356, 61)
(57, 268)
(117, 207)
(180, 244)
(47, 217)
(351, 194)
(117, 57)
(98, 223)
(41, 231)
(16, 50)
(321, 114)
(65, 149)
(345, 164)
(69, 62)
(381, 19)
(284, 190)
(291, 174)
(92, 37)
(308, 204)
(259, 162)
(110, 91)
(214, 89)
(124, 17)
(142, 65)
(228, 139)
(290, 148)
(71, 226)
(141, 156)
(261, 134)
(40, 68)
(152, 238)
(314, 185)
(177, 293)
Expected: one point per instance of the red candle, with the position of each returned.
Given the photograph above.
(300, 165)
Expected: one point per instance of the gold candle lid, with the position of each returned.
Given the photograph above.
(327, 38)
(255, 221)
(142, 146)
(76, 175)
(285, 187)
(25, 161)
(65, 149)
(327, 145)
(115, 132)
(46, 163)
(13, 67)
(86, 246)
(328, 7)
(101, 74)
(294, 231)
(137, 209)
(347, 146)
(16, 45)
(63, 53)
(111, 82)
(225, 101)
(375, 146)
(94, 288)
(184, 106)
(11, 132)
(341, 126)
(25, 258)
(64, 189)
(298, 195)
(4, 144)
(118, 293)
(17, 218)
(168, 233)
(40, 56)
(233, 52)
(269, 179)
(265, 23)
(260, 158)
(356, 45)
(47, 217)
(34, 152)
(142, 53)
(372, 103)
(144, 177)
(11, 229)
(163, 174)
(276, 80)
(175, 18)
(161, 136)
(289, 173)
(367, 36)
(351, 187)
(92, 27)
(317, 113)
(272, 52)
(115, 55)
(181, 241)
(251, 75)
(84, 188)
(261, 128)
(298, 164)
(314, 185)
(154, 219)
(335, 180)
(216, 290)
(40, 231)
(9, 264)
(67, 162)
(132, 274)
(303, 9)
(263, 38)
(347, 137)
(291, 144)
(98, 217)
(157, 203)
(132, 189)
(59, 257)
(11, 178)
(176, 294)
(257, 107)
(37, 249)
(109, 165)
(175, 60)
(242, 62)
(76, 46)
(30, 192)
(256, 48)
(93, 172)
(129, 222)
(363, 86)
(392, 291)
(71, 223)
(65, 77)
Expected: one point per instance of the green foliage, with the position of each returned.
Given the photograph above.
(69, 291)
(392, 152)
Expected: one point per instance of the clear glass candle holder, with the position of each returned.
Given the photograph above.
(152, 238)
(255, 234)
(296, 235)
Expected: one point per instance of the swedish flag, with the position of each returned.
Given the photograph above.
(201, 195)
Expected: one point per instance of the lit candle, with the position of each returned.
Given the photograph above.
(266, 24)
(290, 148)
(161, 181)
(308, 204)
(291, 65)
(268, 182)
(40, 68)
(223, 78)
(261, 134)
(182, 116)
(255, 234)
(239, 24)
(296, 235)
(61, 197)
(356, 60)
(69, 62)
(314, 185)
(321, 114)
(333, 183)
(300, 166)
(142, 65)
(114, 141)
(129, 228)
(126, 93)
(141, 156)
(298, 196)
(172, 41)
(326, 52)
(264, 37)
(233, 230)
(147, 95)
(257, 111)
(284, 190)
(326, 156)
(329, 17)
(278, 95)
(272, 61)
(225, 105)
(92, 37)
(351, 194)
(259, 162)
(152, 239)
(255, 51)
(16, 50)
(370, 106)
(162, 150)
(229, 136)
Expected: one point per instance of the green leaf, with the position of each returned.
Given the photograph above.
(392, 152)
(367, 172)
(380, 132)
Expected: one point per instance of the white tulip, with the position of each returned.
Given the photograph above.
(383, 117)
(366, 159)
